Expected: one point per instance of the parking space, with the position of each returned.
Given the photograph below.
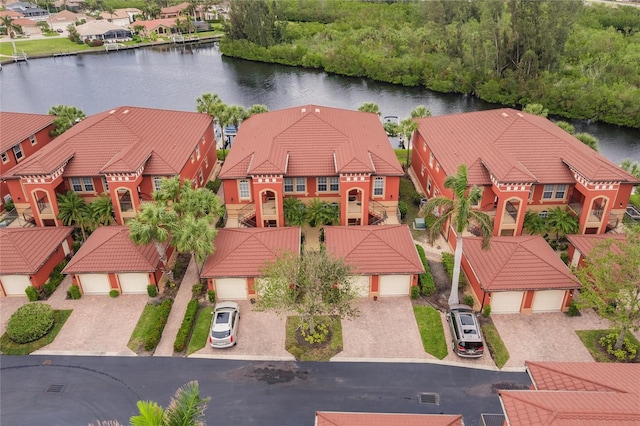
(261, 336)
(546, 336)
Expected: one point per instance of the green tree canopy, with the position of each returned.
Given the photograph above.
(74, 211)
(370, 107)
(312, 285)
(186, 408)
(66, 117)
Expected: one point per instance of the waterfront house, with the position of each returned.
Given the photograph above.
(29, 256)
(521, 162)
(121, 17)
(158, 26)
(21, 136)
(338, 156)
(123, 152)
(174, 11)
(64, 18)
(103, 30)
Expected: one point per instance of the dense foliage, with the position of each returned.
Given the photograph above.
(427, 284)
(30, 322)
(579, 61)
(185, 328)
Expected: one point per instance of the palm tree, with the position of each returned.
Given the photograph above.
(408, 126)
(232, 114)
(535, 224)
(101, 211)
(322, 213)
(195, 236)
(11, 28)
(256, 109)
(186, 408)
(457, 212)
(295, 211)
(420, 111)
(563, 222)
(588, 139)
(73, 211)
(370, 107)
(67, 116)
(154, 223)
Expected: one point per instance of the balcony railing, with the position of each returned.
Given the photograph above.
(377, 213)
(44, 207)
(246, 215)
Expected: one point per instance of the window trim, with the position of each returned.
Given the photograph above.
(375, 187)
(15, 153)
(422, 169)
(431, 159)
(284, 185)
(334, 180)
(197, 152)
(200, 176)
(4, 157)
(156, 182)
(82, 184)
(429, 183)
(33, 140)
(553, 192)
(240, 189)
(325, 184)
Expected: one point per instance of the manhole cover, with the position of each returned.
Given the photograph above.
(429, 398)
(55, 388)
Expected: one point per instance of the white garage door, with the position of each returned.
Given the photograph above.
(506, 302)
(231, 289)
(361, 285)
(134, 283)
(394, 285)
(14, 285)
(95, 283)
(548, 301)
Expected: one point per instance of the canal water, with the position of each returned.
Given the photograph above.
(173, 77)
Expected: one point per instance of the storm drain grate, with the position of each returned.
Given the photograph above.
(55, 388)
(429, 398)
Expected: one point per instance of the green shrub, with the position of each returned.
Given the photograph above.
(49, 288)
(152, 290)
(403, 208)
(448, 261)
(9, 205)
(213, 185)
(30, 322)
(427, 284)
(320, 335)
(155, 333)
(573, 309)
(76, 246)
(628, 351)
(74, 292)
(486, 311)
(211, 294)
(468, 300)
(185, 327)
(415, 292)
(565, 257)
(222, 154)
(196, 290)
(114, 293)
(32, 293)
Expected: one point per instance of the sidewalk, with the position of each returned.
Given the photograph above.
(165, 347)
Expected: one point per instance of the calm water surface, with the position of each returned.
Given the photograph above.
(173, 78)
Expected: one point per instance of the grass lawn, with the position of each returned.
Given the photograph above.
(46, 46)
(200, 330)
(9, 347)
(635, 200)
(590, 339)
(496, 346)
(319, 353)
(401, 155)
(431, 331)
(147, 327)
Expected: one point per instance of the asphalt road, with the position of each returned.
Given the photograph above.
(49, 390)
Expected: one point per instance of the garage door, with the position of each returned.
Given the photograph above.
(394, 285)
(548, 301)
(95, 283)
(361, 285)
(231, 289)
(14, 285)
(134, 283)
(506, 302)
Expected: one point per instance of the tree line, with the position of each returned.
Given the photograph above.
(579, 61)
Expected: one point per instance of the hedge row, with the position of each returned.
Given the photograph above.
(427, 285)
(155, 332)
(187, 325)
(447, 261)
(30, 322)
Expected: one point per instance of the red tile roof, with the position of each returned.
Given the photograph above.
(17, 126)
(585, 376)
(120, 141)
(329, 418)
(311, 141)
(515, 147)
(109, 250)
(25, 250)
(243, 252)
(585, 243)
(517, 263)
(175, 9)
(155, 23)
(534, 408)
(387, 249)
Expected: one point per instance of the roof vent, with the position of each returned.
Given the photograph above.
(505, 115)
(317, 110)
(112, 111)
(125, 111)
(519, 114)
(303, 110)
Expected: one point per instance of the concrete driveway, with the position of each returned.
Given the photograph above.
(261, 337)
(98, 325)
(546, 336)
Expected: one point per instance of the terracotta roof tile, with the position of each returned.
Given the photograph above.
(585, 376)
(585, 243)
(384, 249)
(553, 408)
(311, 141)
(515, 147)
(16, 127)
(243, 252)
(109, 250)
(329, 418)
(517, 263)
(25, 250)
(121, 140)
